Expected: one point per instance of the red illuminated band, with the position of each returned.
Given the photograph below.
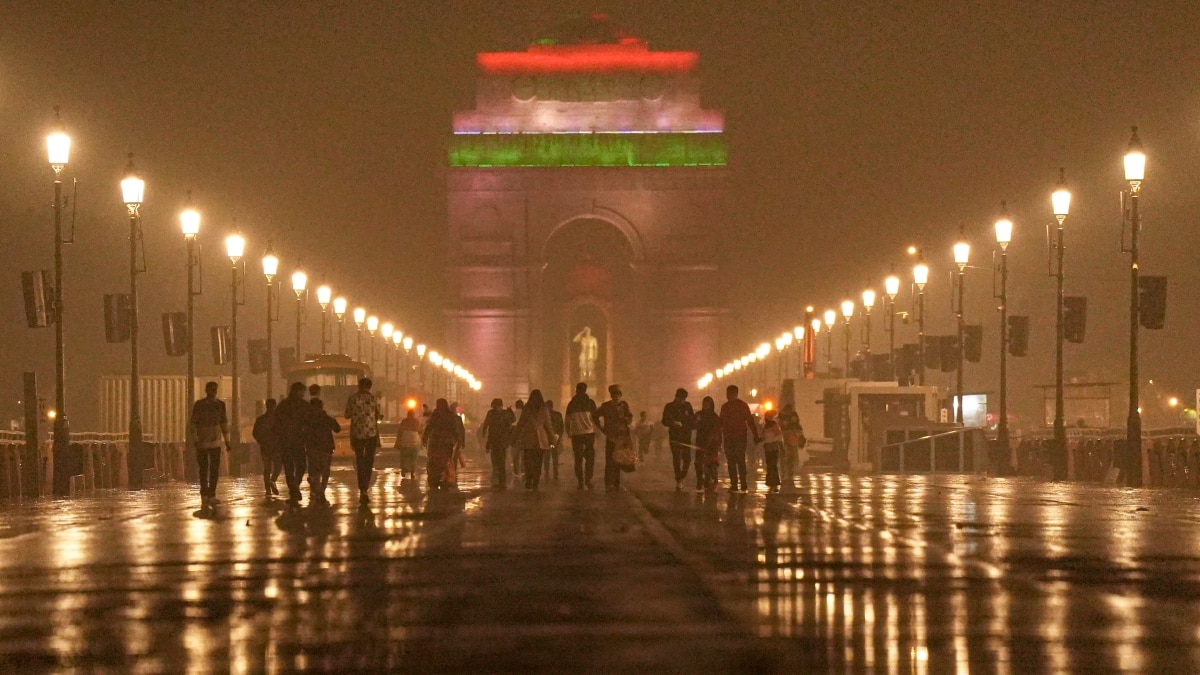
(606, 59)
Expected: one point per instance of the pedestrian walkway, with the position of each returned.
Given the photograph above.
(858, 574)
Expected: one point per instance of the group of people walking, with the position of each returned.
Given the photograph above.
(536, 432)
(705, 434)
(296, 437)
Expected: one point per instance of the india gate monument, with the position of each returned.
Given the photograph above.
(588, 198)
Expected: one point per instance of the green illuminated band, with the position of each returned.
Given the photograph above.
(601, 149)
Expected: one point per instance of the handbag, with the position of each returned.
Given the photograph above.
(624, 456)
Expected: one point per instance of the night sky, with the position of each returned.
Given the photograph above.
(854, 131)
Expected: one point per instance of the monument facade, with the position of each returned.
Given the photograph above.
(587, 201)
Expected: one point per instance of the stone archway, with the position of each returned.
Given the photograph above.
(587, 279)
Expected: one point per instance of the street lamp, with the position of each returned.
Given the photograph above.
(372, 326)
(830, 319)
(962, 256)
(920, 278)
(421, 368)
(387, 330)
(1135, 173)
(324, 296)
(407, 344)
(891, 288)
(1060, 200)
(847, 313)
(189, 223)
(270, 267)
(235, 248)
(868, 301)
(1004, 229)
(397, 341)
(58, 151)
(339, 310)
(360, 316)
(133, 190)
(300, 287)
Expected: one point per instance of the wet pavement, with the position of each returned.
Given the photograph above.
(840, 574)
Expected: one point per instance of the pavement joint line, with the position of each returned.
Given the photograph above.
(738, 612)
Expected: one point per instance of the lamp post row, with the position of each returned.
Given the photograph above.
(1134, 166)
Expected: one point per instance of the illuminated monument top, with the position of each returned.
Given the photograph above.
(596, 103)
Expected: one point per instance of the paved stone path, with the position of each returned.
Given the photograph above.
(843, 574)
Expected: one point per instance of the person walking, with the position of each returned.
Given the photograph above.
(442, 434)
(210, 428)
(679, 419)
(772, 436)
(318, 447)
(614, 417)
(534, 434)
(793, 442)
(268, 448)
(408, 441)
(708, 445)
(736, 420)
(496, 432)
(293, 416)
(550, 459)
(581, 427)
(362, 409)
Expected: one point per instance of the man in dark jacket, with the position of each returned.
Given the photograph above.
(318, 446)
(614, 417)
(736, 420)
(581, 427)
(679, 419)
(268, 447)
(292, 418)
(210, 429)
(496, 432)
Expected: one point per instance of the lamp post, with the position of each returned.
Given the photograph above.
(891, 288)
(133, 190)
(1004, 228)
(397, 340)
(830, 319)
(407, 344)
(868, 301)
(360, 317)
(847, 313)
(387, 330)
(1060, 200)
(270, 267)
(58, 150)
(300, 287)
(235, 248)
(189, 222)
(421, 368)
(324, 296)
(962, 256)
(1135, 173)
(339, 310)
(814, 331)
(372, 327)
(920, 278)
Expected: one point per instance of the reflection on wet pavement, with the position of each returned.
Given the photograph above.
(843, 573)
